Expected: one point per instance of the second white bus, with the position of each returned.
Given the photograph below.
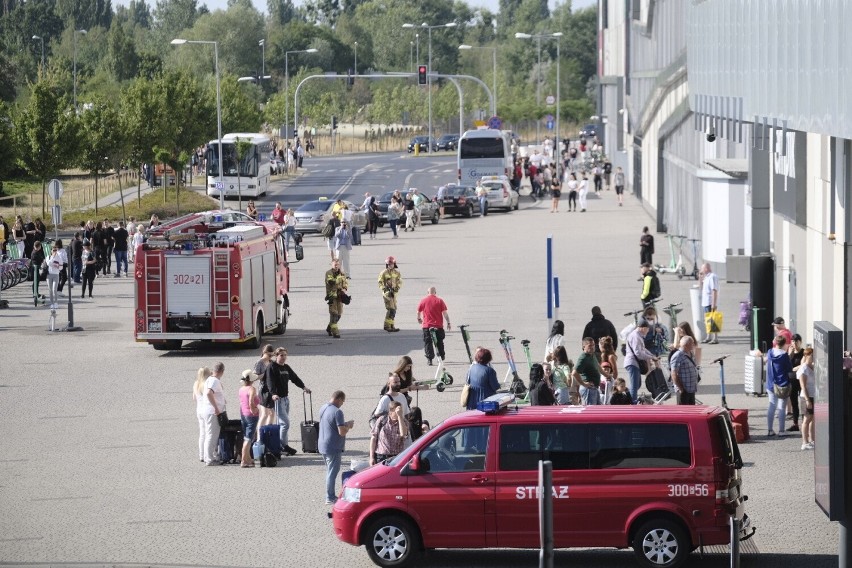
(484, 153)
(253, 180)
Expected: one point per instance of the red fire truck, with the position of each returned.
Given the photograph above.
(213, 276)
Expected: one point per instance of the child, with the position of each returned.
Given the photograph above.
(620, 394)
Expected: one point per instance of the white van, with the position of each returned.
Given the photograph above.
(484, 153)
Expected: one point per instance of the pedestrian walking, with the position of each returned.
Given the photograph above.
(572, 185)
(395, 211)
(684, 371)
(390, 282)
(482, 195)
(132, 229)
(619, 186)
(646, 247)
(409, 212)
(90, 268)
(335, 285)
(597, 178)
(289, 228)
(343, 246)
(38, 264)
(431, 313)
(333, 428)
(650, 285)
(109, 235)
(372, 209)
(584, 192)
(55, 263)
(120, 237)
(77, 258)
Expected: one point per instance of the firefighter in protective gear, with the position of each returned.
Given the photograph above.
(335, 283)
(390, 281)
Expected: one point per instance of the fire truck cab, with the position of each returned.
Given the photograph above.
(212, 276)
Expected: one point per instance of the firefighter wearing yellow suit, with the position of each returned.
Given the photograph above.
(335, 283)
(390, 281)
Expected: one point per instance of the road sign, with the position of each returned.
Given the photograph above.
(220, 185)
(56, 212)
(550, 99)
(54, 189)
(549, 118)
(479, 123)
(495, 123)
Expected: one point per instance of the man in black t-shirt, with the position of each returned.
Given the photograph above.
(109, 236)
(120, 236)
(77, 258)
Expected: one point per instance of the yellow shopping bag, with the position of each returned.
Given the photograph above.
(713, 322)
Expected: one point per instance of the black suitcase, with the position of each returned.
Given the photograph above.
(310, 428)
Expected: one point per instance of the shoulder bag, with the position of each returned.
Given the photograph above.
(644, 368)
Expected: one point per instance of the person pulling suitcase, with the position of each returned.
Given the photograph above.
(277, 377)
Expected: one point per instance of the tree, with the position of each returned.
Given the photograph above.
(237, 30)
(239, 112)
(100, 134)
(123, 61)
(7, 144)
(142, 123)
(281, 12)
(173, 16)
(45, 134)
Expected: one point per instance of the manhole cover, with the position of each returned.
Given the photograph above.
(313, 343)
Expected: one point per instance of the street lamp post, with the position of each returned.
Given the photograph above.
(41, 39)
(262, 44)
(411, 55)
(356, 58)
(538, 38)
(215, 45)
(287, 89)
(429, 72)
(75, 65)
(493, 71)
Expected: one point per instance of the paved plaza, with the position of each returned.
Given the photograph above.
(99, 463)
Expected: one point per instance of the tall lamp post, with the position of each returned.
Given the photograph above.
(262, 44)
(287, 89)
(356, 58)
(538, 38)
(75, 65)
(41, 39)
(411, 55)
(426, 26)
(493, 72)
(215, 44)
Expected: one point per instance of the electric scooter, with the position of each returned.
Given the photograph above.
(526, 344)
(466, 339)
(442, 377)
(516, 386)
(682, 272)
(721, 361)
(672, 310)
(675, 267)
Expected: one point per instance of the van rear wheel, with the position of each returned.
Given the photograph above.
(661, 543)
(392, 541)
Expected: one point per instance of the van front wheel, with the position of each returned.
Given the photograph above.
(392, 541)
(661, 543)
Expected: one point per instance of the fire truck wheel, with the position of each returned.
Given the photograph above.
(168, 345)
(258, 334)
(282, 320)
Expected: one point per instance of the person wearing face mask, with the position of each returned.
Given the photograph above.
(657, 336)
(637, 352)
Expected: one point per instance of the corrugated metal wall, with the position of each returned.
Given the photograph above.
(787, 59)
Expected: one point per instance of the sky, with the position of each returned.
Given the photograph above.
(261, 4)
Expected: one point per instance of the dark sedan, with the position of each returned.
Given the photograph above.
(423, 142)
(461, 200)
(447, 142)
(428, 209)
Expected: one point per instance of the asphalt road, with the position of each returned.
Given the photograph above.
(99, 448)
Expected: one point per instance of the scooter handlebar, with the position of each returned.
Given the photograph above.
(720, 359)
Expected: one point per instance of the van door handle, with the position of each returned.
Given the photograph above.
(479, 479)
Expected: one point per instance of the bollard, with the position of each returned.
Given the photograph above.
(545, 513)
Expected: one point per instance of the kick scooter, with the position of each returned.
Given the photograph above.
(442, 377)
(682, 272)
(516, 387)
(466, 339)
(526, 344)
(674, 266)
(721, 361)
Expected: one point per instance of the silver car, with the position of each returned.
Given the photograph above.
(500, 193)
(313, 215)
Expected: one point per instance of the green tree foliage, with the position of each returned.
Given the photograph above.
(142, 122)
(45, 134)
(173, 16)
(240, 113)
(237, 30)
(85, 14)
(136, 14)
(7, 144)
(281, 12)
(123, 60)
(101, 136)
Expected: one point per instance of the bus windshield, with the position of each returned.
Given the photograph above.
(480, 148)
(248, 165)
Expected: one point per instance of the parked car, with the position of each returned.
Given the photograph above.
(447, 142)
(462, 200)
(423, 141)
(313, 215)
(500, 193)
(428, 209)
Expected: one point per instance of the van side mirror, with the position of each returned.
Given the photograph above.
(298, 238)
(300, 252)
(416, 466)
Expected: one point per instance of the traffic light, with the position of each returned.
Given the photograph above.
(333, 122)
(350, 80)
(421, 75)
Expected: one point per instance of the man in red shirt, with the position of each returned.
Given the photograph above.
(278, 214)
(781, 329)
(431, 313)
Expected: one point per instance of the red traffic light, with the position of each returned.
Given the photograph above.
(421, 74)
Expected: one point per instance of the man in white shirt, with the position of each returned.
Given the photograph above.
(393, 394)
(709, 295)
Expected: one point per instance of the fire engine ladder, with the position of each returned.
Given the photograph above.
(221, 283)
(154, 286)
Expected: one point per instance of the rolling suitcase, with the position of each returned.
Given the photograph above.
(270, 437)
(310, 428)
(753, 376)
(231, 442)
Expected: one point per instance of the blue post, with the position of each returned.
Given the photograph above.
(556, 297)
(549, 302)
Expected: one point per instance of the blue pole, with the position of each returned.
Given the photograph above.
(549, 281)
(556, 292)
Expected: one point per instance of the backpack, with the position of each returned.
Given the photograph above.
(375, 416)
(655, 288)
(328, 230)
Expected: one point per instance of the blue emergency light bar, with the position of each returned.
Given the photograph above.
(496, 403)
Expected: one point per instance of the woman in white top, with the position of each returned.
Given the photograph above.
(571, 185)
(289, 227)
(554, 340)
(584, 191)
(805, 374)
(57, 260)
(209, 403)
(138, 237)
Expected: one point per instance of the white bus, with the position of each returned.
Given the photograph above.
(254, 167)
(484, 153)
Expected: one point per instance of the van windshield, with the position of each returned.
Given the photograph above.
(480, 148)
